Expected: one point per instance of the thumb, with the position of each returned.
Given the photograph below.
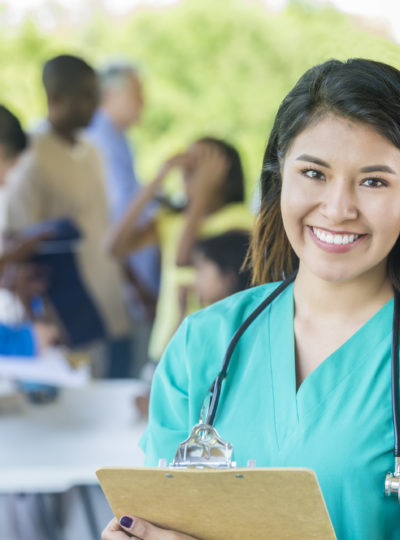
(140, 528)
(147, 531)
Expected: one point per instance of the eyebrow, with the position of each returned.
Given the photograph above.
(381, 168)
(312, 159)
(370, 168)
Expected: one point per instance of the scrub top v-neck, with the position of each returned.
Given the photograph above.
(338, 423)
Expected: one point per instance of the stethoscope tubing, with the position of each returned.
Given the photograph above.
(216, 392)
(395, 374)
(217, 385)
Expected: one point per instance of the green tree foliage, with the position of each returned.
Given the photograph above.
(210, 67)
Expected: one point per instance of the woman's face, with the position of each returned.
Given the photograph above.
(341, 199)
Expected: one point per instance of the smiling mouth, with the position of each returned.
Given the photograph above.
(335, 238)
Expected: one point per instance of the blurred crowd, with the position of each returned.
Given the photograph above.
(139, 258)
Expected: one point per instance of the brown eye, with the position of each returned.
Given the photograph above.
(374, 182)
(313, 174)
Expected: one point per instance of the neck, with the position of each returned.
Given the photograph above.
(63, 131)
(315, 297)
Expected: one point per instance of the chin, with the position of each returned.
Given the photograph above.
(335, 275)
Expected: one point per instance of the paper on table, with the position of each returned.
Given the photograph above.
(51, 367)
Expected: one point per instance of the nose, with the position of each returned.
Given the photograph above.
(339, 202)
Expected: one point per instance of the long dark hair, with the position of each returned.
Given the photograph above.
(358, 89)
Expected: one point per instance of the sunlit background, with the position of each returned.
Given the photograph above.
(209, 67)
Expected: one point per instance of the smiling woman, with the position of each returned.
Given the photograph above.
(339, 202)
(310, 382)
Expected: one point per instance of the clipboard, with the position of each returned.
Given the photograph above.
(228, 504)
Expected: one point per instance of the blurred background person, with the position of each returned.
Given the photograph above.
(61, 174)
(13, 141)
(218, 263)
(23, 338)
(213, 184)
(121, 105)
(214, 188)
(219, 272)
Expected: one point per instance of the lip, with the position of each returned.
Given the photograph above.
(335, 248)
(331, 231)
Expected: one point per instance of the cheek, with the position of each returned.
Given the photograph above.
(292, 209)
(390, 229)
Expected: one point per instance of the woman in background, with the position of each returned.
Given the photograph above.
(213, 183)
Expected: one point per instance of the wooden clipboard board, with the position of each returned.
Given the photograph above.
(228, 504)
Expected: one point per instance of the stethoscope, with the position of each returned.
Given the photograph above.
(392, 481)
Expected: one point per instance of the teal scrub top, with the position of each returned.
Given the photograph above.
(338, 423)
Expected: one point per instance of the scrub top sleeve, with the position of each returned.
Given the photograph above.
(168, 412)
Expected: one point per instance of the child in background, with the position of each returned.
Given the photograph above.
(218, 262)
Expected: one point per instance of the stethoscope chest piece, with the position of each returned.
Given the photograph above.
(392, 482)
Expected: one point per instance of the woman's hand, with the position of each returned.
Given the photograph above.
(209, 167)
(141, 529)
(175, 161)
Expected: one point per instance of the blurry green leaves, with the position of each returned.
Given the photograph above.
(210, 67)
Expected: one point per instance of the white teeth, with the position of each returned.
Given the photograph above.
(337, 239)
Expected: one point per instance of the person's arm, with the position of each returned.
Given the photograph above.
(207, 183)
(128, 235)
(21, 249)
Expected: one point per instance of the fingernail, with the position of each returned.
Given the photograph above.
(127, 522)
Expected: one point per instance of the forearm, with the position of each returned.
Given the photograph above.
(122, 237)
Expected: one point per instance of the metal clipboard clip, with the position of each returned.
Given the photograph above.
(204, 448)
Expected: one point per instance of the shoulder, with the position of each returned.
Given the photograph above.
(86, 145)
(228, 314)
(27, 170)
(201, 341)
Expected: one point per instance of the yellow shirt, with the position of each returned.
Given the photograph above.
(234, 216)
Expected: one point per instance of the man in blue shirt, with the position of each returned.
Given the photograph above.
(121, 105)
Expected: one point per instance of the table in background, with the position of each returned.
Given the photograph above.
(49, 448)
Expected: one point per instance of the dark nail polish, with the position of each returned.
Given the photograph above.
(126, 521)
